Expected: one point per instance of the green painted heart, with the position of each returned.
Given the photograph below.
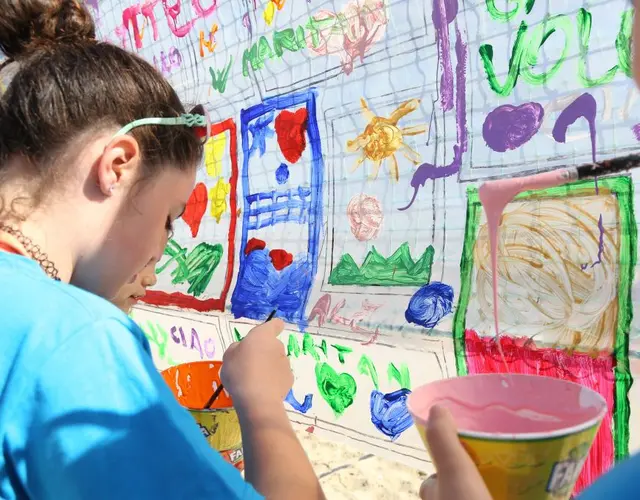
(337, 389)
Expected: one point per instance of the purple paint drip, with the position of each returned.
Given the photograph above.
(584, 106)
(428, 171)
(636, 131)
(600, 246)
(444, 12)
(508, 127)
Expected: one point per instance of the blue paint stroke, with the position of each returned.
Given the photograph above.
(282, 174)
(303, 407)
(260, 288)
(260, 132)
(430, 304)
(389, 412)
(292, 205)
(428, 171)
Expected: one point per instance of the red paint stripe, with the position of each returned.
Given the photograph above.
(522, 356)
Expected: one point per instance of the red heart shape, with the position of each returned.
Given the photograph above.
(280, 258)
(196, 207)
(290, 131)
(254, 244)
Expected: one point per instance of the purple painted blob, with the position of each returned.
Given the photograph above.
(428, 171)
(509, 127)
(636, 131)
(444, 12)
(583, 107)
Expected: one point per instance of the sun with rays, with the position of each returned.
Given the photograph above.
(383, 138)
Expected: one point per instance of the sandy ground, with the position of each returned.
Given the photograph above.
(348, 474)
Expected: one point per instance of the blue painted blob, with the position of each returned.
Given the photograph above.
(282, 174)
(260, 132)
(389, 412)
(430, 304)
(261, 288)
(303, 407)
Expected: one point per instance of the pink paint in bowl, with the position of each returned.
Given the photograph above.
(511, 407)
(528, 435)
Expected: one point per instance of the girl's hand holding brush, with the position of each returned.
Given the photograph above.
(256, 371)
(257, 374)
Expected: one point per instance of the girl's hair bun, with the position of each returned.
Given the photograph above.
(27, 25)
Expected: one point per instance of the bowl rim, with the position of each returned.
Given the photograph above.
(519, 436)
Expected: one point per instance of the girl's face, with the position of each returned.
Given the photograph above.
(133, 291)
(142, 228)
(125, 221)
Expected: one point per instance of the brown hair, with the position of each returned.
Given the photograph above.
(68, 85)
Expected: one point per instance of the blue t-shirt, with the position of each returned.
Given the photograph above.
(83, 411)
(619, 482)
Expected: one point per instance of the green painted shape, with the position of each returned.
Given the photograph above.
(584, 20)
(293, 346)
(515, 61)
(311, 348)
(397, 270)
(623, 42)
(285, 40)
(501, 16)
(342, 350)
(195, 267)
(236, 335)
(538, 35)
(399, 375)
(159, 337)
(220, 77)
(622, 187)
(337, 389)
(367, 368)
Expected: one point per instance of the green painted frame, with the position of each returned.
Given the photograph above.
(622, 188)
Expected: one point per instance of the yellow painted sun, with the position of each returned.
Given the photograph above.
(383, 138)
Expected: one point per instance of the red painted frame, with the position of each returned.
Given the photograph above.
(159, 298)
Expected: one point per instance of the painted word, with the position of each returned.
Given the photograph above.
(195, 345)
(528, 42)
(172, 12)
(282, 40)
(130, 21)
(321, 310)
(168, 64)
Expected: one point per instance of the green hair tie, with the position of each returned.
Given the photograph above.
(186, 120)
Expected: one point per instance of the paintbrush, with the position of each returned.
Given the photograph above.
(605, 167)
(217, 392)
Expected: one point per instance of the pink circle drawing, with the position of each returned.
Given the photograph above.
(365, 216)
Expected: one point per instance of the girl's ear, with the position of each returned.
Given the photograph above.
(118, 163)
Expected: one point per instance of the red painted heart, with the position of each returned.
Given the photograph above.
(280, 258)
(196, 207)
(290, 131)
